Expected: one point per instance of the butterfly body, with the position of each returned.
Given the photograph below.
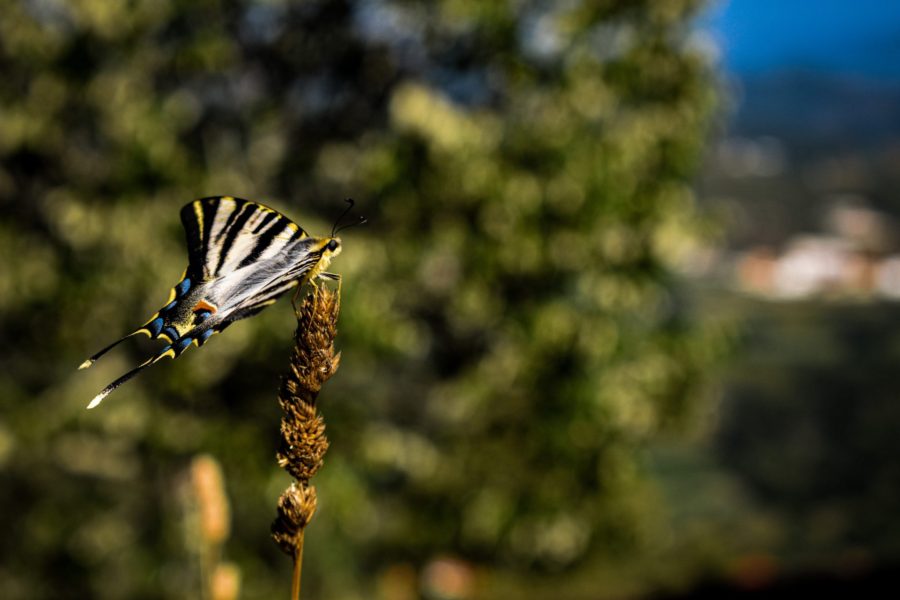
(242, 256)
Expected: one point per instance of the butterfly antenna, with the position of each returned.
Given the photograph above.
(362, 221)
(336, 228)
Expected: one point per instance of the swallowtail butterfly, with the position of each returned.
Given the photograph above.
(241, 257)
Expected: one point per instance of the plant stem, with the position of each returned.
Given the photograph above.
(298, 568)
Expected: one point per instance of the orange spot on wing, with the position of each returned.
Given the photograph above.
(204, 305)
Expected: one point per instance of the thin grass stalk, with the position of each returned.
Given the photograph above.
(298, 568)
(303, 442)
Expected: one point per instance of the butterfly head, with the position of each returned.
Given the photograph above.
(323, 250)
(329, 248)
(333, 246)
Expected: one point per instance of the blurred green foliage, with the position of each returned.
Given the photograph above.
(512, 329)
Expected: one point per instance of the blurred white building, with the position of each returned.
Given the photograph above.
(851, 260)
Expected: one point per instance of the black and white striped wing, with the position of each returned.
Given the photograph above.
(225, 234)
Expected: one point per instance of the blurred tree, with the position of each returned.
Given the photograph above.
(511, 330)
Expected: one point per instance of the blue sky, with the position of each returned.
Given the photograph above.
(852, 37)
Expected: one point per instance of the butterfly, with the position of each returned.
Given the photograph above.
(241, 257)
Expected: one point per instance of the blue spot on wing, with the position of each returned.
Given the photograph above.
(170, 332)
(183, 343)
(169, 305)
(182, 288)
(155, 326)
(206, 335)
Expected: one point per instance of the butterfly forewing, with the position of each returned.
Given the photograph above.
(224, 234)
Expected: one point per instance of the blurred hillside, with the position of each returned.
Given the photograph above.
(799, 141)
(805, 176)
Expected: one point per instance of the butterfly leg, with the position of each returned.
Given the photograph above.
(296, 297)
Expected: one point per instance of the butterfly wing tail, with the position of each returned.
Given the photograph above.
(90, 361)
(157, 327)
(166, 352)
